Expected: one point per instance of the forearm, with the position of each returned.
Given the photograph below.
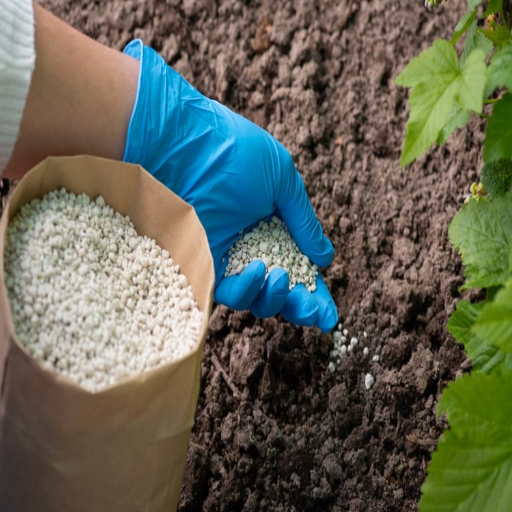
(80, 99)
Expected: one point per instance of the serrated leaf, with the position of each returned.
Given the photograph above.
(492, 7)
(475, 40)
(437, 82)
(439, 61)
(496, 177)
(485, 358)
(510, 261)
(462, 319)
(494, 325)
(457, 118)
(429, 107)
(500, 70)
(498, 35)
(481, 42)
(463, 25)
(472, 82)
(498, 135)
(472, 4)
(481, 233)
(471, 471)
(469, 43)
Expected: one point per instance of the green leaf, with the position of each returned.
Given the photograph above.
(496, 177)
(429, 107)
(462, 319)
(481, 233)
(498, 135)
(510, 261)
(471, 471)
(440, 60)
(492, 291)
(475, 40)
(463, 25)
(498, 35)
(457, 118)
(492, 7)
(437, 82)
(494, 325)
(485, 358)
(474, 3)
(500, 70)
(472, 82)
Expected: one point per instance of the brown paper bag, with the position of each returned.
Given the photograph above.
(63, 449)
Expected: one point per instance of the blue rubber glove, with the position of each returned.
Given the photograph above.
(234, 174)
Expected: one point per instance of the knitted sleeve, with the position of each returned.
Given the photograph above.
(17, 61)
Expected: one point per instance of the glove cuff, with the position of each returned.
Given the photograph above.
(153, 119)
(134, 49)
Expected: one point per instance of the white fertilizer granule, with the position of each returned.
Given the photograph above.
(91, 299)
(272, 243)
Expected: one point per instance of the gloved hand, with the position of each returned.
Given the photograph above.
(234, 174)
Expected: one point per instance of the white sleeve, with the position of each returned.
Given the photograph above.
(17, 61)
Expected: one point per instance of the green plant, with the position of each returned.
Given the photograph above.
(471, 469)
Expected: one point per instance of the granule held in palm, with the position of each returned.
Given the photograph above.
(91, 299)
(272, 243)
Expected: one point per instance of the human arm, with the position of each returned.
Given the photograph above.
(80, 99)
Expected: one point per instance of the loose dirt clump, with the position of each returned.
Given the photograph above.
(275, 429)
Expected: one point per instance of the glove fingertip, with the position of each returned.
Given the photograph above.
(240, 291)
(256, 269)
(272, 296)
(327, 311)
(328, 319)
(300, 308)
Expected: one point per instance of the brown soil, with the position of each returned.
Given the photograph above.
(275, 430)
